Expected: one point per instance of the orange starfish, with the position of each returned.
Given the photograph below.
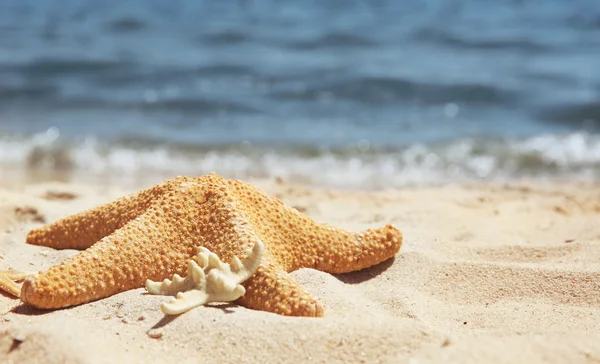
(153, 234)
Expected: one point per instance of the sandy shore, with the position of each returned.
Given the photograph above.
(487, 273)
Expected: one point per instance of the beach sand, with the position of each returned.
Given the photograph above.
(495, 273)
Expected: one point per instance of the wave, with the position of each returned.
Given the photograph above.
(12, 93)
(224, 37)
(118, 73)
(378, 90)
(573, 156)
(47, 98)
(127, 24)
(506, 44)
(61, 67)
(584, 114)
(331, 41)
(587, 20)
(196, 106)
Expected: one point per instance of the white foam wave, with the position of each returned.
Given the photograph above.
(575, 156)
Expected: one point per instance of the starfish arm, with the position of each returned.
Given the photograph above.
(142, 249)
(81, 230)
(358, 250)
(272, 289)
(309, 244)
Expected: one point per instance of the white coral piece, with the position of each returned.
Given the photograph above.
(8, 279)
(208, 280)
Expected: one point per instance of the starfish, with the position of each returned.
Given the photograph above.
(152, 234)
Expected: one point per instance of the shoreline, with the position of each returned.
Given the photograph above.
(494, 272)
(573, 156)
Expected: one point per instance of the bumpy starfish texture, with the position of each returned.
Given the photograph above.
(153, 234)
(208, 280)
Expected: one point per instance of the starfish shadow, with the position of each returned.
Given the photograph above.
(26, 310)
(226, 307)
(365, 274)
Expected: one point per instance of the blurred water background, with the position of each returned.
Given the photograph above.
(370, 94)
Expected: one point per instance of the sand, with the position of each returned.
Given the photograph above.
(495, 273)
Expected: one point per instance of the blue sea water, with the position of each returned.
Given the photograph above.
(353, 93)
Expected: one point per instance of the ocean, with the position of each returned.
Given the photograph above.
(356, 94)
